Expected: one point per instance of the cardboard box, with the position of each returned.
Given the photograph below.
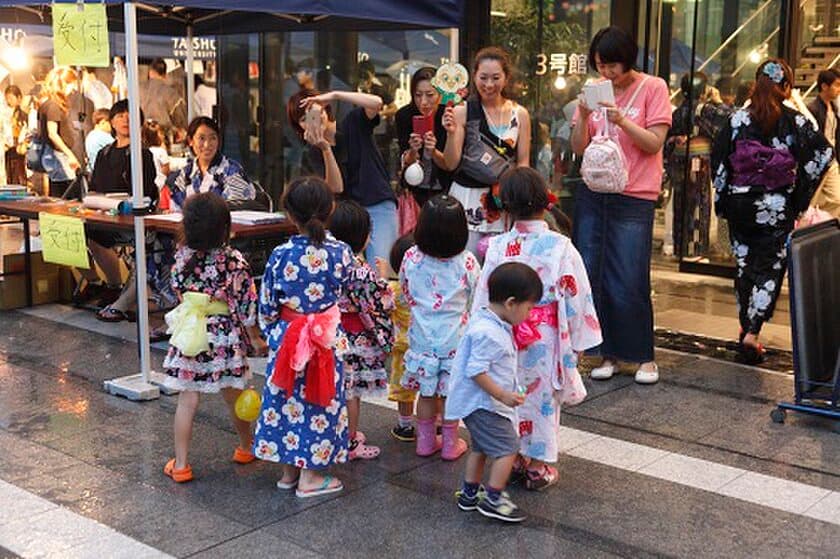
(45, 282)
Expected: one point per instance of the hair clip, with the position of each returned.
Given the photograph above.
(773, 70)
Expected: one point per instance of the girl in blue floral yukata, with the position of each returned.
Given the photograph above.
(562, 325)
(303, 422)
(437, 278)
(768, 161)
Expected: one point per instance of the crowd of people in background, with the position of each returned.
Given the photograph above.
(464, 295)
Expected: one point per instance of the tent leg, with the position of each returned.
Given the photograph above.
(137, 386)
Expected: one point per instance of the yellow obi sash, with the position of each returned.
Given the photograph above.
(187, 323)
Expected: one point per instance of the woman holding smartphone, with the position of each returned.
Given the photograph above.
(421, 136)
(345, 154)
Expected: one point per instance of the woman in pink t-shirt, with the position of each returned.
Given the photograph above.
(613, 232)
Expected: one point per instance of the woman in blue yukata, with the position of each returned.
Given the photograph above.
(209, 170)
(303, 422)
(769, 160)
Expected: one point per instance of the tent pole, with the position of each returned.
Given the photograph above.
(190, 74)
(136, 387)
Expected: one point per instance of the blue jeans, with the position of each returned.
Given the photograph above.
(613, 234)
(384, 230)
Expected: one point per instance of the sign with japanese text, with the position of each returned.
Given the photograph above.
(80, 34)
(562, 64)
(63, 240)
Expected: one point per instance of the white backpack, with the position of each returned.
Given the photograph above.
(604, 167)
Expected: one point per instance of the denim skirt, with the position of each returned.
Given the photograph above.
(613, 234)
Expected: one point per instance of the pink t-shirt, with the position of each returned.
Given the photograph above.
(651, 107)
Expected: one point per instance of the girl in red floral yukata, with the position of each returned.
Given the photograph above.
(368, 331)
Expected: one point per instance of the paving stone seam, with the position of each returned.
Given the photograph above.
(769, 460)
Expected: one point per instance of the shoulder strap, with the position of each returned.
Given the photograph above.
(635, 94)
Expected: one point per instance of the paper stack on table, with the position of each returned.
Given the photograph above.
(12, 192)
(250, 217)
(597, 92)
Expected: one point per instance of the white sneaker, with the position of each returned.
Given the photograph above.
(648, 377)
(604, 372)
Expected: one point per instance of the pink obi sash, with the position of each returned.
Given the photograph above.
(307, 346)
(526, 333)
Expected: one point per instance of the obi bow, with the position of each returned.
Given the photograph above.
(527, 332)
(307, 345)
(187, 323)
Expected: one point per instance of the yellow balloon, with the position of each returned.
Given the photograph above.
(247, 405)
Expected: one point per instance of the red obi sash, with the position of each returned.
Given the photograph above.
(526, 333)
(352, 323)
(307, 345)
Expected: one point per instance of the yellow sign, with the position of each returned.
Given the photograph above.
(80, 34)
(63, 240)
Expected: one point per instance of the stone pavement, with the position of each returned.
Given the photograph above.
(691, 467)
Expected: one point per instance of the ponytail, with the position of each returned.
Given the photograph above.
(315, 230)
(309, 202)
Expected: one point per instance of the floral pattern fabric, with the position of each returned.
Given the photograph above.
(224, 177)
(760, 219)
(224, 275)
(366, 353)
(307, 279)
(545, 366)
(439, 293)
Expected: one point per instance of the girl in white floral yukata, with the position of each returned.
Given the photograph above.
(768, 161)
(563, 323)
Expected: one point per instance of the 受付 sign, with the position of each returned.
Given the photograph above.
(80, 34)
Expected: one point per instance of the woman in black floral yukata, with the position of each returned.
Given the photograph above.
(769, 160)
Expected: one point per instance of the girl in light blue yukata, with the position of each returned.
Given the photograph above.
(437, 278)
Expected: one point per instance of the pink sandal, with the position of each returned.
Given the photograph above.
(363, 451)
(539, 479)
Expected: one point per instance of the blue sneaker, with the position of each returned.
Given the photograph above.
(469, 502)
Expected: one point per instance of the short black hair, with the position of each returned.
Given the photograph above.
(159, 66)
(350, 223)
(517, 280)
(399, 249)
(120, 107)
(441, 230)
(198, 121)
(309, 202)
(14, 90)
(826, 77)
(613, 45)
(206, 221)
(524, 193)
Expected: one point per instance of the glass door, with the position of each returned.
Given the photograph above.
(707, 51)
